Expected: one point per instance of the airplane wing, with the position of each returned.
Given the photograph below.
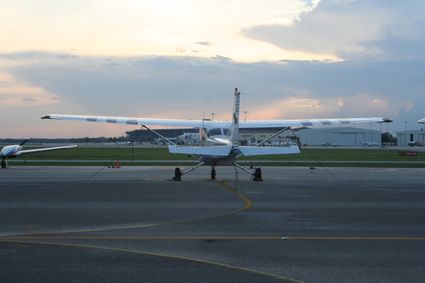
(310, 122)
(216, 124)
(129, 120)
(45, 149)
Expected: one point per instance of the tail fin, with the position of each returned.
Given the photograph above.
(234, 136)
(23, 142)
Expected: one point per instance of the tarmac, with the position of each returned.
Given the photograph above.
(134, 224)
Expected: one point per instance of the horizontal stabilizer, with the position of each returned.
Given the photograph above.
(269, 150)
(200, 150)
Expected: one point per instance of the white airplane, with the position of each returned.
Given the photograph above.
(13, 151)
(220, 139)
(421, 121)
(369, 143)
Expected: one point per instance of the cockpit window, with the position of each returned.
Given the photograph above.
(214, 132)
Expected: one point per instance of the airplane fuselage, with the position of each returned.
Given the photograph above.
(10, 151)
(221, 160)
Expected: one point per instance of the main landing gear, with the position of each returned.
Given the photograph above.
(256, 174)
(178, 173)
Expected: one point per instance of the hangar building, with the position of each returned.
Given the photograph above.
(412, 137)
(341, 136)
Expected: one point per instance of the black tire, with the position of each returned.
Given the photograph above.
(177, 174)
(258, 177)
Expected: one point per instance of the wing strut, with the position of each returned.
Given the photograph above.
(243, 168)
(256, 174)
(193, 168)
(159, 135)
(272, 136)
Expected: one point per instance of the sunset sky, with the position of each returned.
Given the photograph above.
(182, 59)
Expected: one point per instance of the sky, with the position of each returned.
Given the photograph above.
(182, 59)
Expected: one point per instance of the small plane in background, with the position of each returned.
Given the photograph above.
(421, 121)
(13, 151)
(220, 139)
(369, 143)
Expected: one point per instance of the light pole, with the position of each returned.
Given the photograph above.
(245, 112)
(212, 116)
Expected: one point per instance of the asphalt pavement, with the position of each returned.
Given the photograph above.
(134, 224)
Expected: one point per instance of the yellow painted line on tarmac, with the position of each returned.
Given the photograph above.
(247, 205)
(247, 201)
(195, 260)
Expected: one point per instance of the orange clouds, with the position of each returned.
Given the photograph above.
(16, 93)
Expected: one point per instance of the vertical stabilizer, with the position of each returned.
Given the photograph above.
(234, 138)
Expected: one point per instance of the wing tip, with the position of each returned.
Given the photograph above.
(386, 120)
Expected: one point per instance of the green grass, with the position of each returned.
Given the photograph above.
(338, 154)
(105, 153)
(313, 158)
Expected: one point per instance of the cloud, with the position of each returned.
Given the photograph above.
(189, 87)
(151, 28)
(16, 93)
(349, 29)
(362, 104)
(332, 27)
(204, 43)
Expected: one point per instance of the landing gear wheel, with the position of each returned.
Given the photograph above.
(213, 173)
(257, 177)
(177, 174)
(3, 164)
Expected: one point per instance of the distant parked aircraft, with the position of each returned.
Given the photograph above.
(220, 139)
(370, 143)
(12, 151)
(421, 121)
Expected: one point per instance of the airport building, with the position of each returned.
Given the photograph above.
(341, 136)
(411, 138)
